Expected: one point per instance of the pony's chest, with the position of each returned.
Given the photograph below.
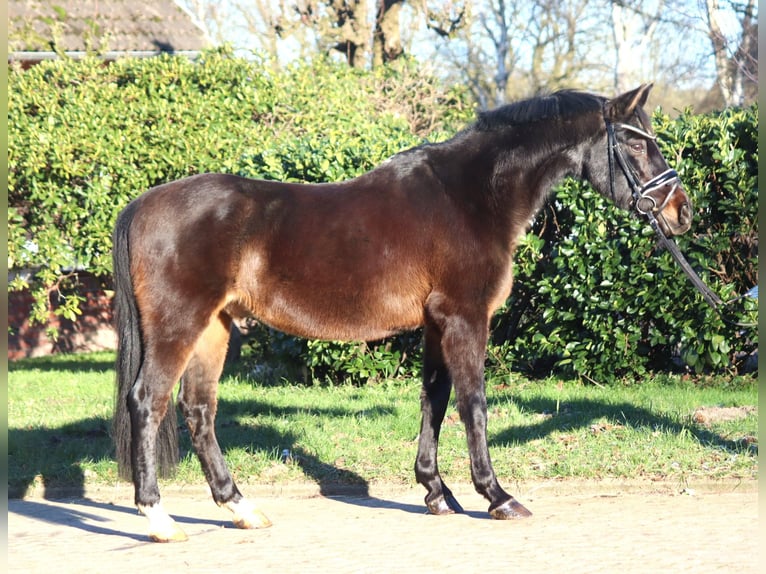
(502, 289)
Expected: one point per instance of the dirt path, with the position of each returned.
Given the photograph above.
(596, 528)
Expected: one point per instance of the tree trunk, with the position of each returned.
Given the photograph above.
(633, 32)
(499, 35)
(719, 51)
(387, 41)
(353, 30)
(731, 70)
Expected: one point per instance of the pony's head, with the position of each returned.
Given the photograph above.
(633, 172)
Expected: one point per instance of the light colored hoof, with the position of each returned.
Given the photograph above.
(247, 516)
(162, 528)
(177, 535)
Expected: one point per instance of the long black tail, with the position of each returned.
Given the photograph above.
(130, 357)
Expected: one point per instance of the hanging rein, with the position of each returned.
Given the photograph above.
(647, 206)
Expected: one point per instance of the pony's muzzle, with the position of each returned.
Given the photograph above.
(676, 218)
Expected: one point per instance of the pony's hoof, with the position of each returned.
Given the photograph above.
(509, 510)
(445, 504)
(256, 519)
(247, 516)
(162, 528)
(173, 535)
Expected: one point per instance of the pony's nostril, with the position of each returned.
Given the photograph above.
(685, 214)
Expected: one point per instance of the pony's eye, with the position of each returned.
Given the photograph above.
(637, 147)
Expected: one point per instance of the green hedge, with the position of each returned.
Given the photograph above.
(592, 297)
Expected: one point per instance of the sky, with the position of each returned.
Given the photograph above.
(692, 42)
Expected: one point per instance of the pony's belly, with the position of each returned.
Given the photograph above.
(333, 318)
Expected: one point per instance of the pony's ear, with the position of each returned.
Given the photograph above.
(625, 105)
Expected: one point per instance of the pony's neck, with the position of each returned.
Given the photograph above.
(511, 171)
(504, 176)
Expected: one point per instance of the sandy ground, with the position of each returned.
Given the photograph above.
(588, 528)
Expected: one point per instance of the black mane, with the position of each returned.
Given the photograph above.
(561, 104)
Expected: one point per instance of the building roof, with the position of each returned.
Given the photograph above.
(104, 25)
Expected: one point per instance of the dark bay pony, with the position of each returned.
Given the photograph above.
(425, 239)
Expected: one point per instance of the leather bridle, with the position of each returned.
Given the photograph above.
(643, 202)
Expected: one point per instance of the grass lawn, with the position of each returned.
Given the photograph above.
(666, 428)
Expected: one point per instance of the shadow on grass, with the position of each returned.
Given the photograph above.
(86, 362)
(582, 413)
(32, 465)
(51, 458)
(269, 439)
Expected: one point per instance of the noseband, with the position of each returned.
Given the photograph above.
(643, 202)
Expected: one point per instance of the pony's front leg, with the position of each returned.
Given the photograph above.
(472, 406)
(463, 346)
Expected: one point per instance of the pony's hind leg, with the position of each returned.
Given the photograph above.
(433, 404)
(197, 401)
(148, 402)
